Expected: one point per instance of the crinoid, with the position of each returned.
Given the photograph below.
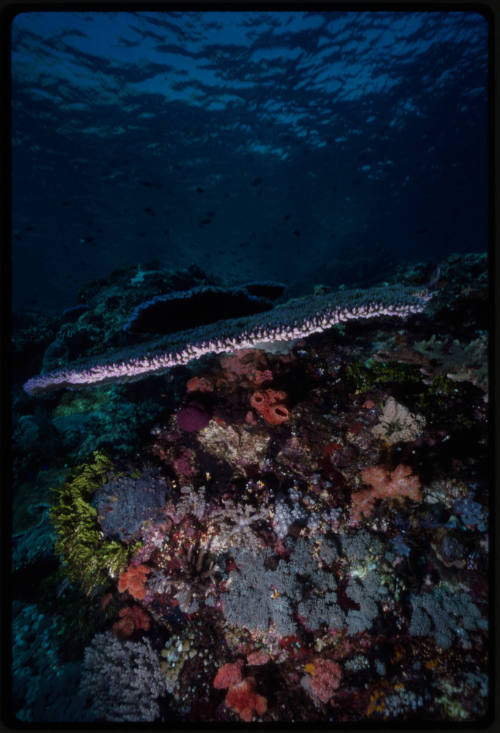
(193, 573)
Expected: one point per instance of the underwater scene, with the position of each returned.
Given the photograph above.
(250, 410)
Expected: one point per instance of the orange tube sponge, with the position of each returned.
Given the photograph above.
(267, 402)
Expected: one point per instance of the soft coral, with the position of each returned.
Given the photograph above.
(394, 485)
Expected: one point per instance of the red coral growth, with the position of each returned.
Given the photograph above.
(229, 674)
(267, 403)
(258, 658)
(245, 363)
(261, 376)
(133, 580)
(199, 384)
(326, 676)
(395, 485)
(244, 700)
(132, 618)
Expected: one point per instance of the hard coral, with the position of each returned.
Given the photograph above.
(268, 403)
(133, 580)
(395, 485)
(242, 698)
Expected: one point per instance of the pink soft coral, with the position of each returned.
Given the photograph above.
(241, 695)
(326, 676)
(395, 485)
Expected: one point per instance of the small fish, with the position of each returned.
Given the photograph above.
(421, 231)
(296, 232)
(65, 203)
(149, 210)
(244, 244)
(286, 217)
(148, 184)
(200, 190)
(256, 181)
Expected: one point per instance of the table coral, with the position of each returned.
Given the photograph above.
(296, 319)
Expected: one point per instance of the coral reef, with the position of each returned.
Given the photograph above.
(229, 564)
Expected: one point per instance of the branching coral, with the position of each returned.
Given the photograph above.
(444, 613)
(233, 525)
(122, 680)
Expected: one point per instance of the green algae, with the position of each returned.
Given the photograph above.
(88, 560)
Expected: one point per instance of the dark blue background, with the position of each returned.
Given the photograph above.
(327, 147)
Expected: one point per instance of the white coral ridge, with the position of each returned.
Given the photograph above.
(397, 424)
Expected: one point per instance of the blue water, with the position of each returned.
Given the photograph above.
(301, 146)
